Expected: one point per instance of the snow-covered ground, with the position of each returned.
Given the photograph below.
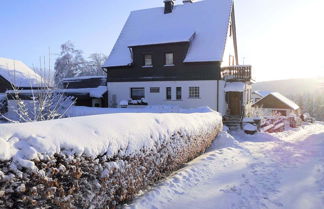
(282, 170)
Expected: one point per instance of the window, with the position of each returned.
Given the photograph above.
(137, 93)
(154, 90)
(148, 60)
(178, 93)
(169, 59)
(194, 92)
(168, 93)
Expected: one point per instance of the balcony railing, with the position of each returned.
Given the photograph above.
(237, 73)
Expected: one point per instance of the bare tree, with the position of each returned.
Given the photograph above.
(39, 103)
(96, 60)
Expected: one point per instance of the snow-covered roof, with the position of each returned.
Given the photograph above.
(18, 73)
(234, 87)
(281, 98)
(262, 93)
(171, 37)
(205, 22)
(97, 92)
(84, 77)
(285, 100)
(93, 92)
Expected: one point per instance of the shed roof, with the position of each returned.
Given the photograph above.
(276, 100)
(204, 23)
(262, 93)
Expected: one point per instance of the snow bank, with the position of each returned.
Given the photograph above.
(96, 160)
(224, 140)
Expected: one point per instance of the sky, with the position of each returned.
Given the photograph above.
(281, 39)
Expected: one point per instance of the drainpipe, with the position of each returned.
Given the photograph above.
(217, 95)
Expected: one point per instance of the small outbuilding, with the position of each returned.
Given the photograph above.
(15, 74)
(275, 103)
(88, 91)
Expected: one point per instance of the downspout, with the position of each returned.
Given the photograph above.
(217, 95)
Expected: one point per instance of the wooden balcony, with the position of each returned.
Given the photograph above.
(237, 73)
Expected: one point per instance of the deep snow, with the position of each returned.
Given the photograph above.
(283, 170)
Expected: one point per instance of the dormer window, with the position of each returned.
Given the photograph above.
(148, 60)
(169, 59)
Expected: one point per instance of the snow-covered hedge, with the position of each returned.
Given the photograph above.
(96, 161)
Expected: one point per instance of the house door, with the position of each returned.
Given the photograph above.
(234, 103)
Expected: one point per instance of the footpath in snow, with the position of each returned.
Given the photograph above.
(283, 170)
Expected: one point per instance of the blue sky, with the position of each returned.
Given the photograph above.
(279, 38)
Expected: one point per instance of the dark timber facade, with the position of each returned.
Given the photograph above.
(159, 71)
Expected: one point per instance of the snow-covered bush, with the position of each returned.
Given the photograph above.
(93, 165)
(253, 112)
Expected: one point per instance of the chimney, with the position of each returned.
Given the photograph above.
(187, 1)
(168, 6)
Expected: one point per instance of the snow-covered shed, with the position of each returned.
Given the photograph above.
(16, 73)
(87, 90)
(275, 103)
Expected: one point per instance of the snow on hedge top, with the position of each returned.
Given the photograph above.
(208, 20)
(18, 73)
(285, 100)
(97, 135)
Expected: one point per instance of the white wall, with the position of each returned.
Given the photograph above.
(229, 49)
(208, 93)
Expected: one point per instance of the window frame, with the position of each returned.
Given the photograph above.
(194, 92)
(168, 93)
(137, 88)
(144, 60)
(165, 59)
(178, 90)
(152, 90)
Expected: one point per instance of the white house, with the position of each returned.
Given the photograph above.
(184, 54)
